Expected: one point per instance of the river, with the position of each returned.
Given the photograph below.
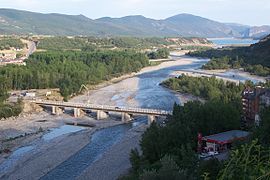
(149, 95)
(233, 41)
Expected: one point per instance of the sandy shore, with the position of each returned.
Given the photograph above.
(239, 72)
(50, 154)
(199, 74)
(47, 155)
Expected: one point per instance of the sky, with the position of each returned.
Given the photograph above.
(249, 12)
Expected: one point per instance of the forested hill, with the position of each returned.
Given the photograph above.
(254, 59)
(261, 52)
(24, 22)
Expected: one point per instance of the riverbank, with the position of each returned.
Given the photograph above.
(200, 74)
(231, 75)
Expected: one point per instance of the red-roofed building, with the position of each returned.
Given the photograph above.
(222, 141)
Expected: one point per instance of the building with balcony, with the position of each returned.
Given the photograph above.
(253, 101)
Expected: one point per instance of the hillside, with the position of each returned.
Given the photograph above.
(190, 25)
(24, 22)
(91, 43)
(180, 25)
(259, 53)
(254, 59)
(258, 32)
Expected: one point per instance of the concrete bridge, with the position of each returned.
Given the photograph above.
(102, 110)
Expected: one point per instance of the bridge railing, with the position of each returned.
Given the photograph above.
(103, 107)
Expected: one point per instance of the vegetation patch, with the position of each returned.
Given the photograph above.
(6, 43)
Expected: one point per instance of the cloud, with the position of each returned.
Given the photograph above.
(77, 1)
(133, 1)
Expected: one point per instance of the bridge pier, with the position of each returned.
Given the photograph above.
(56, 110)
(101, 115)
(126, 117)
(102, 110)
(77, 112)
(151, 119)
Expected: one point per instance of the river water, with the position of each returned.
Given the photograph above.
(233, 41)
(148, 95)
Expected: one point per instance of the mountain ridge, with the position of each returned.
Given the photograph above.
(14, 21)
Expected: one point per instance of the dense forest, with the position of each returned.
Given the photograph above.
(207, 88)
(169, 150)
(254, 59)
(7, 42)
(70, 69)
(62, 43)
(73, 43)
(80, 43)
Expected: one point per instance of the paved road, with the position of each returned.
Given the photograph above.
(31, 48)
(145, 111)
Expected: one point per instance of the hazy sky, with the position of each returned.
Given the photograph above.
(251, 12)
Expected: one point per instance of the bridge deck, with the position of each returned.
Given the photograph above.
(145, 111)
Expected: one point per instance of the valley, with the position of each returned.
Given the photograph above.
(134, 90)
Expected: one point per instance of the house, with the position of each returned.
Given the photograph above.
(221, 142)
(253, 101)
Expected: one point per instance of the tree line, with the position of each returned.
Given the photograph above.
(79, 43)
(209, 88)
(68, 70)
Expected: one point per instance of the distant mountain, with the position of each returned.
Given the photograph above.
(258, 32)
(190, 25)
(139, 25)
(238, 27)
(24, 22)
(255, 32)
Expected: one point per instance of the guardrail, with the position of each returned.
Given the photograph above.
(103, 107)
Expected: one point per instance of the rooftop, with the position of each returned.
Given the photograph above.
(226, 137)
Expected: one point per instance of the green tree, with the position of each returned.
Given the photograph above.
(251, 161)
